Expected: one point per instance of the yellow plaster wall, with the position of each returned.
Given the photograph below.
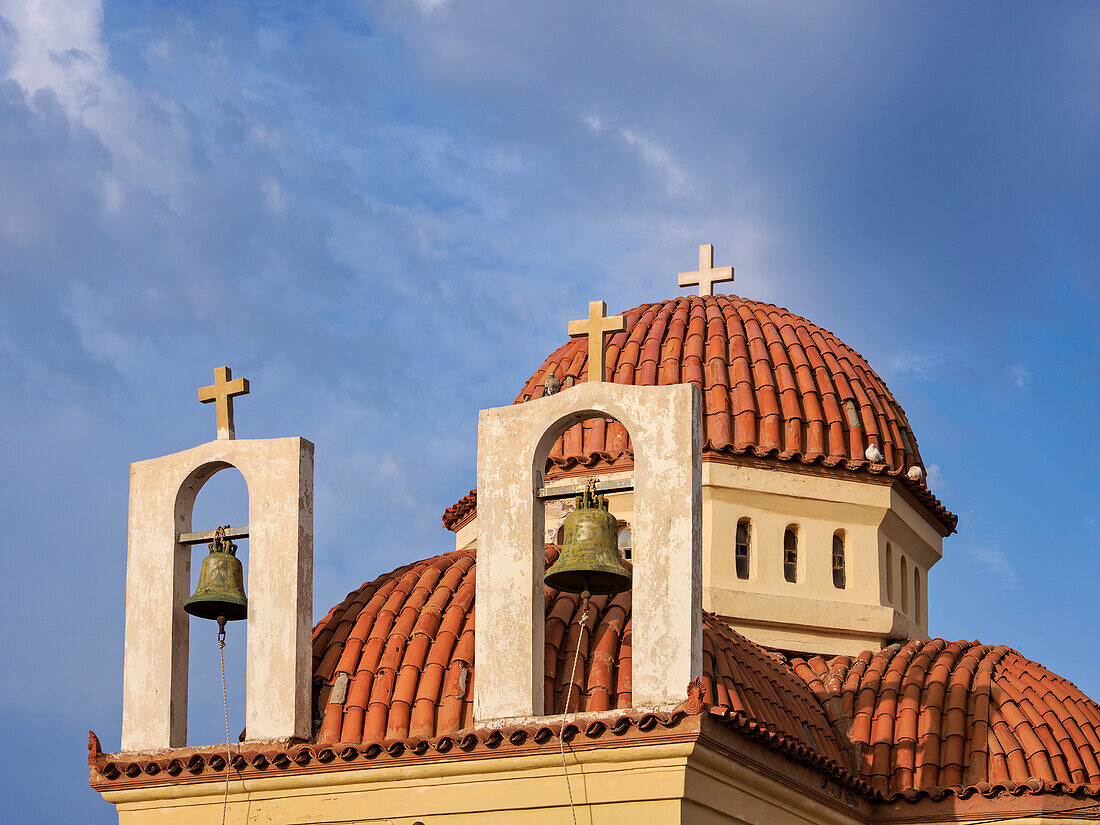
(662, 784)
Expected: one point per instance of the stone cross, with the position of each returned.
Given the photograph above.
(222, 392)
(596, 327)
(706, 276)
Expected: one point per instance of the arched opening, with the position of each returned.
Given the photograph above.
(664, 424)
(790, 554)
(916, 594)
(222, 500)
(625, 540)
(904, 583)
(581, 431)
(742, 548)
(840, 577)
(889, 568)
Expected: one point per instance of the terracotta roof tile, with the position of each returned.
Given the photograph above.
(774, 387)
(415, 680)
(930, 717)
(394, 672)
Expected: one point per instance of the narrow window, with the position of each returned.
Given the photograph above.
(839, 578)
(790, 554)
(624, 541)
(916, 593)
(741, 549)
(904, 586)
(889, 573)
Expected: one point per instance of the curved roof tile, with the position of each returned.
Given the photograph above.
(774, 386)
(929, 716)
(395, 661)
(765, 374)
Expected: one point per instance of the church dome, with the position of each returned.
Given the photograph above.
(774, 385)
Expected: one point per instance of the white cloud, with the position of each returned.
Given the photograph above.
(1020, 374)
(918, 364)
(661, 160)
(935, 480)
(429, 7)
(60, 47)
(593, 122)
(998, 564)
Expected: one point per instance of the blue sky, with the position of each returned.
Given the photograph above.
(385, 213)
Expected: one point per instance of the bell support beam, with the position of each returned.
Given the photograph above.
(208, 535)
(665, 427)
(569, 488)
(279, 475)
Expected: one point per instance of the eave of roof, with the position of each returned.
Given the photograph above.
(463, 511)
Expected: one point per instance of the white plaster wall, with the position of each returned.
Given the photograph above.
(279, 476)
(665, 424)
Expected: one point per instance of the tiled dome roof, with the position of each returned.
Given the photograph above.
(774, 386)
(772, 382)
(931, 717)
(395, 661)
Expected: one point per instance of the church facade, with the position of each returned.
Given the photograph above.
(770, 663)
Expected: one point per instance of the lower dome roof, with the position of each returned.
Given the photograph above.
(394, 661)
(930, 715)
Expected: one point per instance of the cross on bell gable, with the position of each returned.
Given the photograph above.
(707, 275)
(221, 393)
(596, 326)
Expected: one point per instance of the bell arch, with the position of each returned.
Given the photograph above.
(221, 500)
(665, 424)
(278, 474)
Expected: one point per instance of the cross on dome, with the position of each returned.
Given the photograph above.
(706, 276)
(222, 392)
(596, 327)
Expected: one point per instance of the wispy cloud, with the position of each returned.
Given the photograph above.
(429, 7)
(924, 365)
(660, 159)
(593, 122)
(1094, 528)
(1020, 374)
(936, 481)
(998, 564)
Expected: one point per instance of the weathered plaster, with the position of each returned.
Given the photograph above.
(279, 476)
(810, 614)
(665, 425)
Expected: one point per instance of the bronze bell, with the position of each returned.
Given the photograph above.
(589, 559)
(220, 589)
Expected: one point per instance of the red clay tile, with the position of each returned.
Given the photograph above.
(981, 714)
(774, 387)
(414, 675)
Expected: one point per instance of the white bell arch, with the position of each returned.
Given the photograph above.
(665, 426)
(279, 475)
